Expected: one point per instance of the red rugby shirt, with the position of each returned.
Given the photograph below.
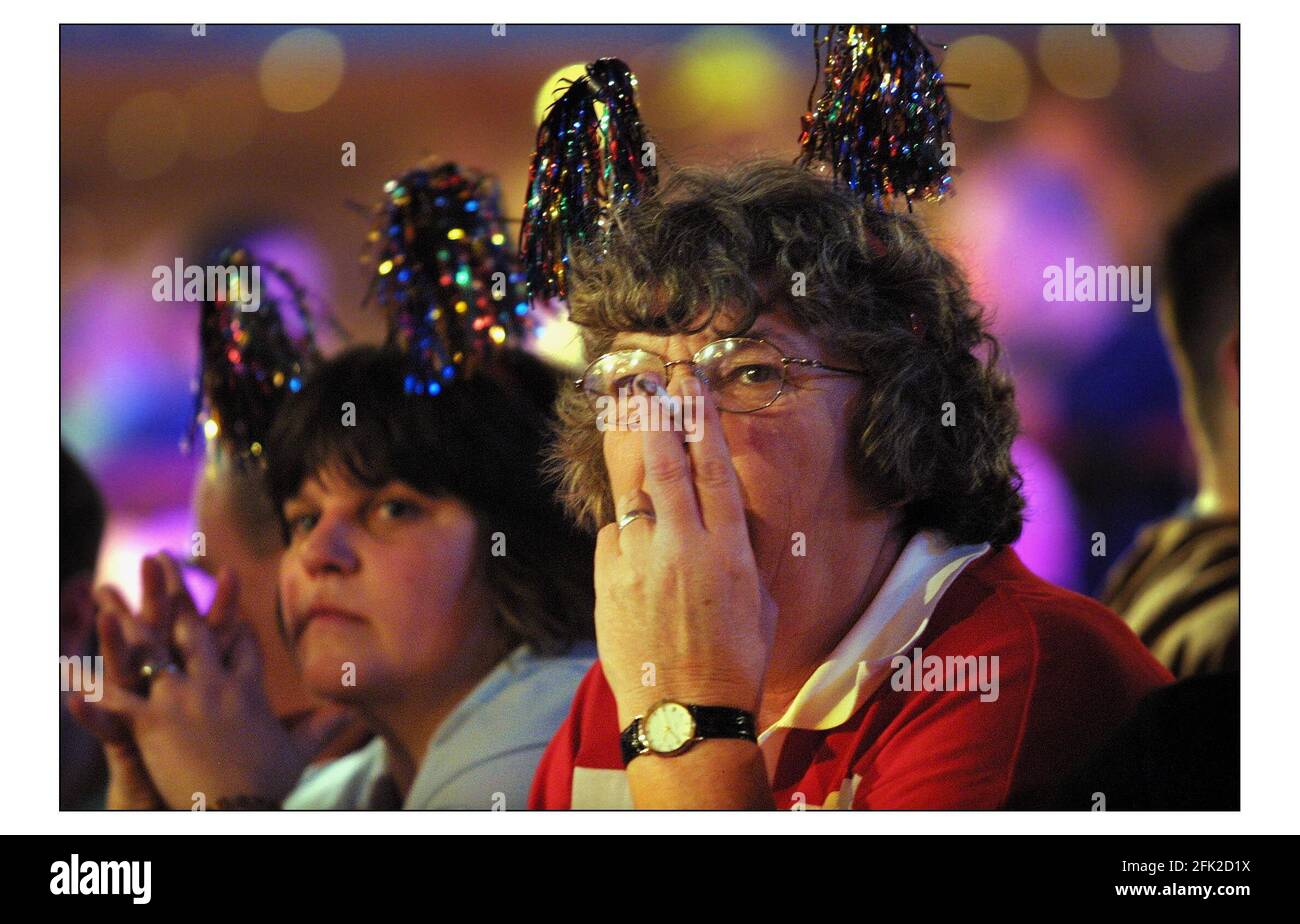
(1069, 672)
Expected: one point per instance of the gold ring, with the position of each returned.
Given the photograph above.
(149, 670)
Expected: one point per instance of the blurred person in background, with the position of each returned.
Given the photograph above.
(1178, 586)
(249, 360)
(83, 775)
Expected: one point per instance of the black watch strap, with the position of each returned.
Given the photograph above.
(630, 742)
(724, 722)
(710, 722)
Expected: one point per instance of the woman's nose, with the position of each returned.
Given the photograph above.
(329, 548)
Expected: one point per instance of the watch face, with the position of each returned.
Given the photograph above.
(668, 727)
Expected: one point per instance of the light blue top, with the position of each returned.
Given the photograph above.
(482, 757)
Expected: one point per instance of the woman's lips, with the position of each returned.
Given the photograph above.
(326, 614)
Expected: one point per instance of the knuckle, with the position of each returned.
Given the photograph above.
(713, 472)
(628, 582)
(666, 470)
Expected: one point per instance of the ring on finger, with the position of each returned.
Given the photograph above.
(150, 670)
(640, 513)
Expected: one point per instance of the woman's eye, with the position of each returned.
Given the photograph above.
(622, 383)
(398, 509)
(752, 375)
(301, 523)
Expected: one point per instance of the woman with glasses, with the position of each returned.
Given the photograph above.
(814, 603)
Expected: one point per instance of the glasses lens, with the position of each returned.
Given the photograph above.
(743, 374)
(617, 372)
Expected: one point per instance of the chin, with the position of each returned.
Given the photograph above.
(327, 684)
(336, 674)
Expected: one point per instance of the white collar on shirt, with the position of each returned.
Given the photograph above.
(894, 619)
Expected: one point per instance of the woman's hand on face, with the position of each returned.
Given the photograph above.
(680, 610)
(203, 729)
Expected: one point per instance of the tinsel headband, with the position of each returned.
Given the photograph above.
(882, 126)
(592, 154)
(452, 288)
(883, 123)
(249, 359)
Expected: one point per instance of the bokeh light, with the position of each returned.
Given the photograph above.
(997, 75)
(1027, 210)
(553, 88)
(1049, 542)
(1078, 63)
(1197, 48)
(301, 70)
(728, 76)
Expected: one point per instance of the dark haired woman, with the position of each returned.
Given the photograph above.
(428, 582)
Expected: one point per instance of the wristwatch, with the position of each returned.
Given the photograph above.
(670, 728)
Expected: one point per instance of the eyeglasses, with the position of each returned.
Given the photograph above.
(744, 374)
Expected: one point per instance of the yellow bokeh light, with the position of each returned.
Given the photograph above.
(552, 89)
(1078, 63)
(301, 70)
(497, 333)
(211, 429)
(1197, 48)
(730, 73)
(146, 134)
(997, 74)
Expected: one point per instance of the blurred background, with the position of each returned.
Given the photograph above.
(1068, 145)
